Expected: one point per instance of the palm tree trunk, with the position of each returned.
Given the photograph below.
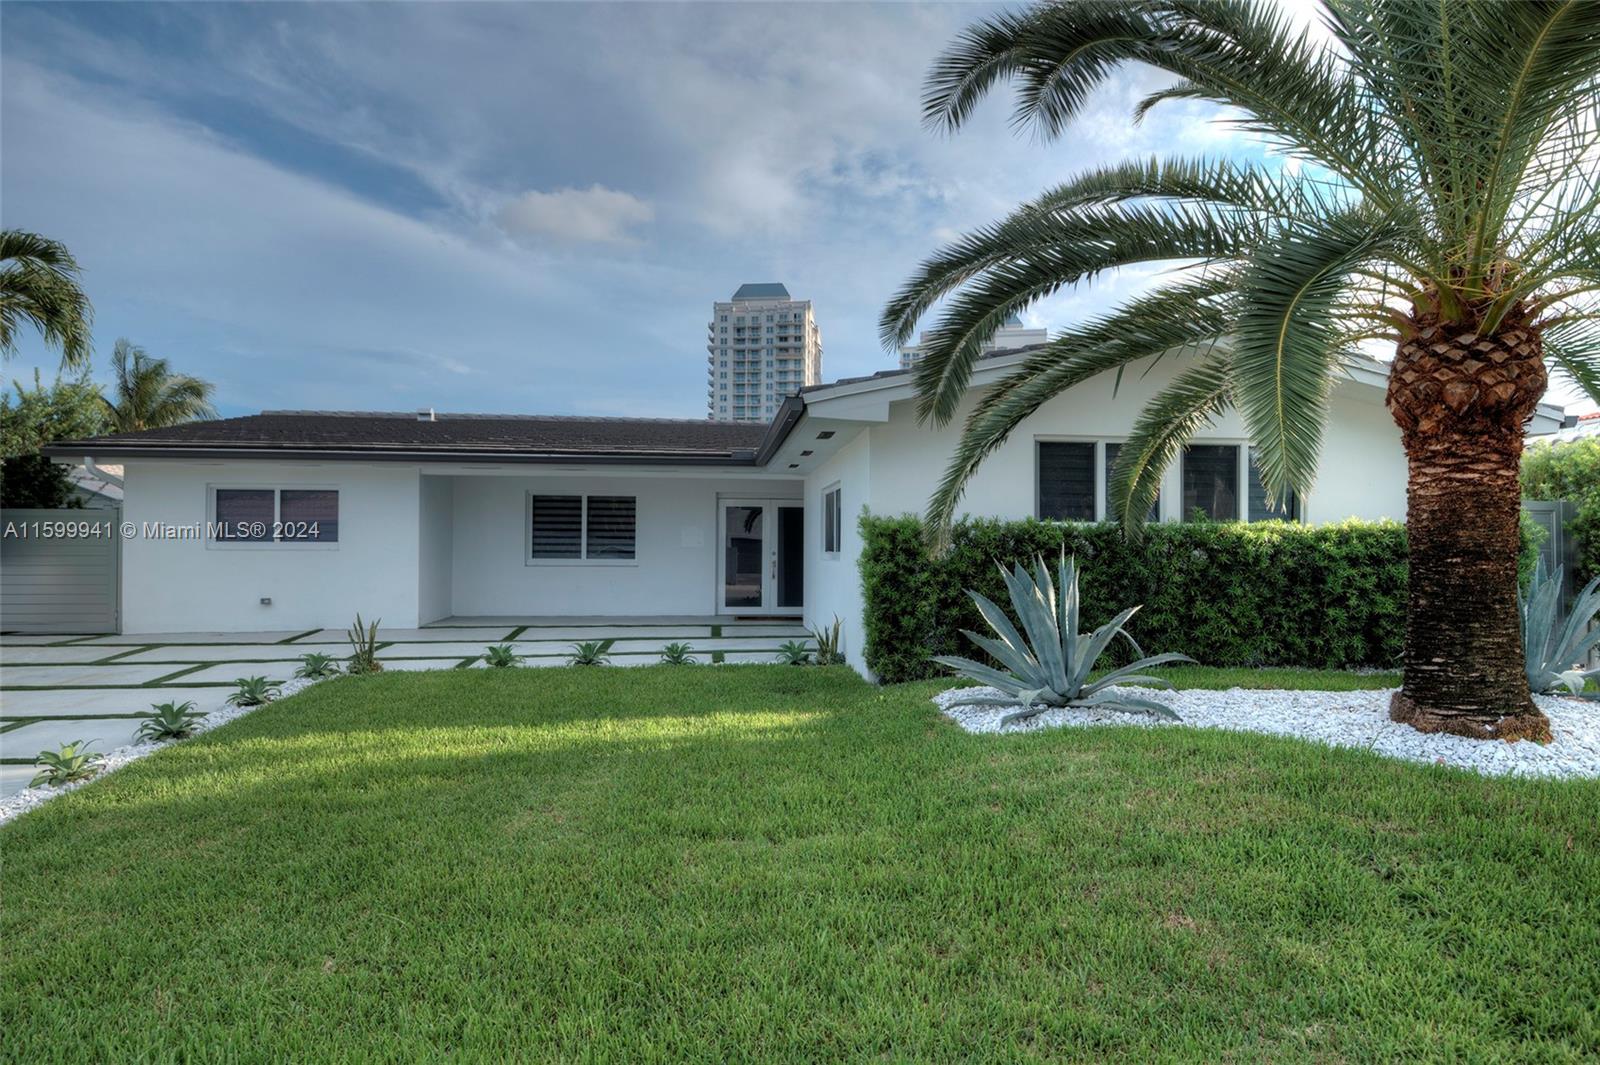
(1462, 401)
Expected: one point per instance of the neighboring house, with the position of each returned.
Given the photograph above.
(97, 487)
(1578, 427)
(415, 518)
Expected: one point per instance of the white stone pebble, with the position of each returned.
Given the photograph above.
(28, 798)
(1341, 719)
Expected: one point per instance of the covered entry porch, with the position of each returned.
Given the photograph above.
(570, 548)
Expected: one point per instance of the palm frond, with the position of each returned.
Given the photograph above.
(1184, 316)
(39, 286)
(1166, 424)
(1287, 339)
(148, 395)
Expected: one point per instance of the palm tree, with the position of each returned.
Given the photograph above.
(39, 284)
(148, 395)
(1444, 197)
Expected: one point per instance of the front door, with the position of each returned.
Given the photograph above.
(762, 557)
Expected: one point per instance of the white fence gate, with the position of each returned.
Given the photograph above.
(60, 570)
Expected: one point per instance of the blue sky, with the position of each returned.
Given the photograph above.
(505, 207)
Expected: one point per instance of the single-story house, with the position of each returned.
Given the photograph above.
(298, 519)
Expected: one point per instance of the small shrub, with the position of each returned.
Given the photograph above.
(677, 654)
(590, 653)
(315, 666)
(794, 653)
(170, 721)
(364, 647)
(501, 656)
(828, 643)
(1050, 666)
(254, 691)
(66, 764)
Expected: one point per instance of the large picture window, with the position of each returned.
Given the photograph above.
(582, 528)
(1066, 480)
(1211, 482)
(275, 516)
(1112, 514)
(1264, 507)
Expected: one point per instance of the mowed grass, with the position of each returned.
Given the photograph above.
(779, 864)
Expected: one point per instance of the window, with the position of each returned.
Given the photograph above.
(1066, 480)
(275, 515)
(1112, 450)
(582, 528)
(1263, 508)
(1211, 481)
(832, 520)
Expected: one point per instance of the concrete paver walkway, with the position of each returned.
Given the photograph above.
(57, 689)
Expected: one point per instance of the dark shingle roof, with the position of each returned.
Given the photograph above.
(475, 436)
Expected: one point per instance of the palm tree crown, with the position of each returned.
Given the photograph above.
(1446, 182)
(148, 395)
(39, 285)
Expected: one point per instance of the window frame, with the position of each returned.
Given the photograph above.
(1102, 483)
(833, 525)
(583, 558)
(277, 488)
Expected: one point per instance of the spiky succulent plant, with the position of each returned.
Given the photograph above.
(1050, 665)
(1554, 646)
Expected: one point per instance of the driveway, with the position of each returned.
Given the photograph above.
(57, 689)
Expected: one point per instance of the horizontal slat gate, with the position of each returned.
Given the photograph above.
(59, 583)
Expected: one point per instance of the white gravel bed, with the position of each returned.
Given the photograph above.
(28, 798)
(1340, 719)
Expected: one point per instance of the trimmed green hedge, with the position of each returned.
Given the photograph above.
(1234, 594)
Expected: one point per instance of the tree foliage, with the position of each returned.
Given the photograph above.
(1446, 165)
(69, 408)
(39, 287)
(1570, 470)
(147, 394)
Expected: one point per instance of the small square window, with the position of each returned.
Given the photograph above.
(246, 515)
(832, 520)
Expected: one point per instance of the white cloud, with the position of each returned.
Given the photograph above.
(595, 215)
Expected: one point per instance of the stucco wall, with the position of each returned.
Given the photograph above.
(1362, 472)
(833, 583)
(180, 585)
(674, 571)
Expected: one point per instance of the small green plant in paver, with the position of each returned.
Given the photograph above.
(590, 653)
(254, 691)
(794, 653)
(68, 763)
(828, 643)
(677, 654)
(1555, 647)
(315, 666)
(364, 647)
(170, 721)
(501, 656)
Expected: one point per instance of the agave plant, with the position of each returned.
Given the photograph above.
(500, 656)
(315, 666)
(364, 647)
(254, 691)
(677, 654)
(794, 653)
(590, 653)
(1051, 666)
(1553, 647)
(169, 721)
(68, 763)
(829, 651)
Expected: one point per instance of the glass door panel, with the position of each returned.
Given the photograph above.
(744, 556)
(791, 557)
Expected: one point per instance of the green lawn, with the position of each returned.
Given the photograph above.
(769, 863)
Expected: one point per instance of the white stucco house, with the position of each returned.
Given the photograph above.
(298, 519)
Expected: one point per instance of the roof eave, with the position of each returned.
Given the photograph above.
(77, 449)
